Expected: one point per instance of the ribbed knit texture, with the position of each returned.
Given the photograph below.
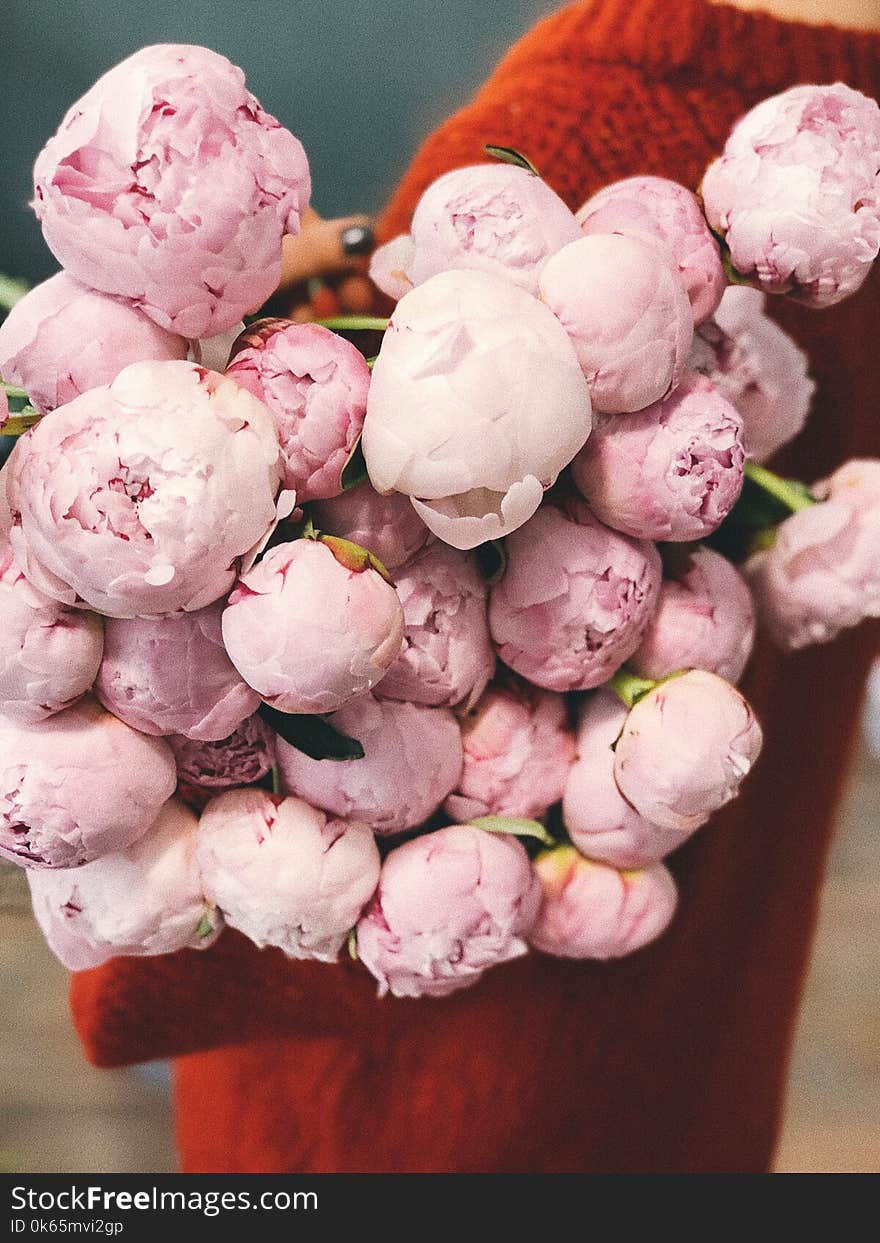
(673, 1059)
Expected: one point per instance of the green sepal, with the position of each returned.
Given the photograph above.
(492, 560)
(509, 155)
(313, 735)
(518, 826)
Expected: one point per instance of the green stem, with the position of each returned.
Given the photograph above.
(276, 779)
(791, 494)
(354, 323)
(629, 687)
(11, 391)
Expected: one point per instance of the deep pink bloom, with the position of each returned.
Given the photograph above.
(241, 759)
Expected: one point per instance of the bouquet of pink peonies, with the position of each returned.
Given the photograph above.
(433, 653)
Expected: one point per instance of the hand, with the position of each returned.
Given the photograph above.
(323, 267)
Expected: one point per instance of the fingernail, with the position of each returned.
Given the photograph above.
(357, 239)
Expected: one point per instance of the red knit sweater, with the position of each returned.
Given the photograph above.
(673, 1059)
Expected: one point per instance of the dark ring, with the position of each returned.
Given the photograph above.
(357, 239)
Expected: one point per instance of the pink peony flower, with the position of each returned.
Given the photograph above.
(168, 184)
(666, 216)
(590, 910)
(386, 525)
(518, 749)
(758, 367)
(171, 675)
(670, 472)
(575, 600)
(450, 904)
(447, 656)
(796, 192)
(62, 339)
(138, 498)
(475, 406)
(685, 749)
(627, 315)
(246, 756)
(822, 572)
(600, 822)
(4, 407)
(390, 265)
(307, 632)
(705, 619)
(314, 384)
(494, 218)
(77, 786)
(285, 874)
(146, 899)
(49, 654)
(412, 760)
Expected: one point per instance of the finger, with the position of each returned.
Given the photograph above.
(326, 247)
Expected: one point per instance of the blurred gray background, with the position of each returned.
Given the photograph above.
(357, 81)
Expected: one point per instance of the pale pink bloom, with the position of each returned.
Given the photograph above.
(244, 757)
(685, 749)
(4, 407)
(663, 214)
(171, 675)
(627, 315)
(796, 192)
(387, 526)
(705, 619)
(494, 218)
(591, 910)
(518, 748)
(62, 339)
(138, 498)
(450, 904)
(49, 654)
(390, 265)
(307, 632)
(672, 471)
(146, 899)
(284, 873)
(475, 406)
(77, 786)
(575, 600)
(314, 383)
(447, 656)
(412, 760)
(599, 820)
(821, 574)
(758, 367)
(168, 184)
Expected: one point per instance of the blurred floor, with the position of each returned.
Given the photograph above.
(58, 1114)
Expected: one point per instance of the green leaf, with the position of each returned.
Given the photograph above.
(20, 422)
(353, 945)
(313, 735)
(10, 291)
(492, 560)
(353, 556)
(509, 155)
(206, 927)
(517, 825)
(355, 469)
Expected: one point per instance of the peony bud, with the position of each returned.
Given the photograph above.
(705, 619)
(671, 472)
(412, 760)
(627, 315)
(475, 406)
(796, 192)
(590, 910)
(78, 786)
(685, 749)
(450, 904)
(822, 572)
(61, 339)
(518, 749)
(169, 185)
(447, 656)
(171, 675)
(138, 498)
(575, 600)
(146, 899)
(246, 756)
(314, 383)
(308, 633)
(667, 217)
(285, 874)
